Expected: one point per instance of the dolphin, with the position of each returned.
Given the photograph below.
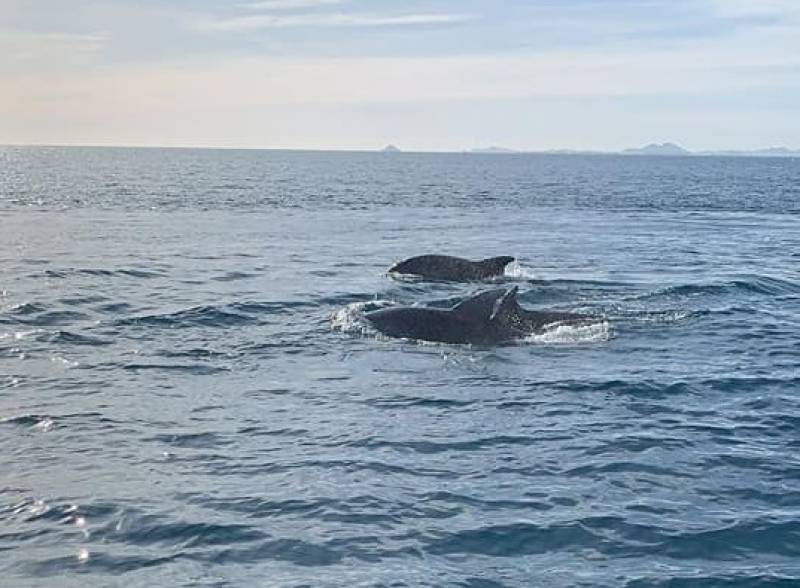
(490, 317)
(451, 269)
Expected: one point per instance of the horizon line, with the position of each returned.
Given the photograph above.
(488, 150)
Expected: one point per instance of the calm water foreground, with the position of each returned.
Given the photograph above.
(188, 397)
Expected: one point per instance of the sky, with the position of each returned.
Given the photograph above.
(436, 75)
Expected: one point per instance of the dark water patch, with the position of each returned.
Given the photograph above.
(594, 470)
(139, 273)
(652, 389)
(636, 444)
(750, 384)
(92, 563)
(740, 580)
(69, 338)
(65, 273)
(25, 420)
(33, 261)
(481, 583)
(458, 502)
(356, 510)
(614, 536)
(113, 307)
(433, 447)
(220, 316)
(155, 530)
(372, 467)
(399, 401)
(523, 539)
(81, 300)
(37, 316)
(234, 276)
(759, 285)
(206, 316)
(263, 431)
(254, 507)
(193, 440)
(193, 368)
(766, 499)
(295, 551)
(738, 541)
(197, 353)
(26, 308)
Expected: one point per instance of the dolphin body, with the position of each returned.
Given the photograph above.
(490, 317)
(451, 269)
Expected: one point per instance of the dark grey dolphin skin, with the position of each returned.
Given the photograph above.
(490, 317)
(451, 269)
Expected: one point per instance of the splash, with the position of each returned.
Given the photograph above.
(400, 277)
(350, 319)
(516, 271)
(556, 334)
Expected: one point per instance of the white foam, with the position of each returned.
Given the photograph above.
(18, 335)
(516, 271)
(350, 319)
(68, 363)
(557, 334)
(399, 277)
(45, 425)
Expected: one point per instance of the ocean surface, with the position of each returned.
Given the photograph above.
(189, 396)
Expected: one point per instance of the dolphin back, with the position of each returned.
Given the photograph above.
(495, 266)
(453, 269)
(481, 306)
(422, 324)
(489, 317)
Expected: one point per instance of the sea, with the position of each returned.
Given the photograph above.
(190, 397)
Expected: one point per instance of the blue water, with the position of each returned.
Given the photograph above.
(187, 397)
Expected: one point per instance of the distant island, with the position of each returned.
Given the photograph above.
(390, 149)
(652, 149)
(656, 149)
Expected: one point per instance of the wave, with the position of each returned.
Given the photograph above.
(204, 316)
(34, 421)
(196, 369)
(35, 314)
(760, 285)
(131, 273)
(618, 537)
(69, 338)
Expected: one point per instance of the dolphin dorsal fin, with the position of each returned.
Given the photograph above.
(505, 304)
(481, 305)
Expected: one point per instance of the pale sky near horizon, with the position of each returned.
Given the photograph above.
(443, 75)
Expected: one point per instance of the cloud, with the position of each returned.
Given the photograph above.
(290, 4)
(15, 36)
(48, 49)
(201, 88)
(271, 21)
(786, 10)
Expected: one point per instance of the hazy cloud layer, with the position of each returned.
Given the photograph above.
(355, 19)
(290, 4)
(327, 73)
